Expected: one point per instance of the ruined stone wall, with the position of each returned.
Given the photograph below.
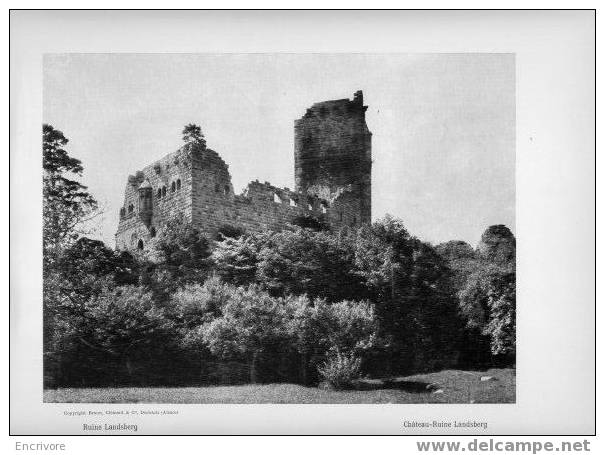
(333, 183)
(333, 155)
(133, 225)
(260, 207)
(206, 199)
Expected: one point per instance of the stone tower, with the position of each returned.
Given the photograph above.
(333, 158)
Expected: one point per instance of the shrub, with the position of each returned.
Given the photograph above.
(319, 328)
(347, 326)
(339, 370)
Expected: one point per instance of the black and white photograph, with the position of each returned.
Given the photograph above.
(333, 228)
(279, 229)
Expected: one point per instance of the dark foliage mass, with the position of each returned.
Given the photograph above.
(302, 305)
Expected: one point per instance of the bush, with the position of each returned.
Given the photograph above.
(340, 370)
(346, 326)
(248, 324)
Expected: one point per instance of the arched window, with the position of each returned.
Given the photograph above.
(122, 212)
(130, 208)
(163, 191)
(159, 193)
(178, 184)
(226, 189)
(340, 216)
(140, 245)
(173, 187)
(354, 220)
(152, 232)
(324, 207)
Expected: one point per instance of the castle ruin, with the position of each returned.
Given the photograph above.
(332, 168)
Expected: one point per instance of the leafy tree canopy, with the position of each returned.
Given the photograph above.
(498, 245)
(301, 261)
(66, 202)
(182, 252)
(192, 134)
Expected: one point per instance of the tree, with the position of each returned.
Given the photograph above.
(251, 323)
(296, 261)
(236, 259)
(92, 258)
(192, 134)
(485, 285)
(302, 261)
(121, 326)
(455, 250)
(502, 319)
(498, 245)
(382, 252)
(183, 256)
(66, 202)
(320, 330)
(461, 258)
(66, 205)
(83, 270)
(433, 322)
(346, 326)
(488, 304)
(196, 304)
(415, 301)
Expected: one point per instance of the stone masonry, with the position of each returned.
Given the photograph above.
(332, 173)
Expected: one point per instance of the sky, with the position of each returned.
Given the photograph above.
(443, 125)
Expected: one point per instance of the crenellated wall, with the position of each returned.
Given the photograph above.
(261, 207)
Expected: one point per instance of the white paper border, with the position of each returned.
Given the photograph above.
(555, 199)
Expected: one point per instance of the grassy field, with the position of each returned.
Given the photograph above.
(450, 386)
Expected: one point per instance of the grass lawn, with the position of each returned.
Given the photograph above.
(453, 386)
